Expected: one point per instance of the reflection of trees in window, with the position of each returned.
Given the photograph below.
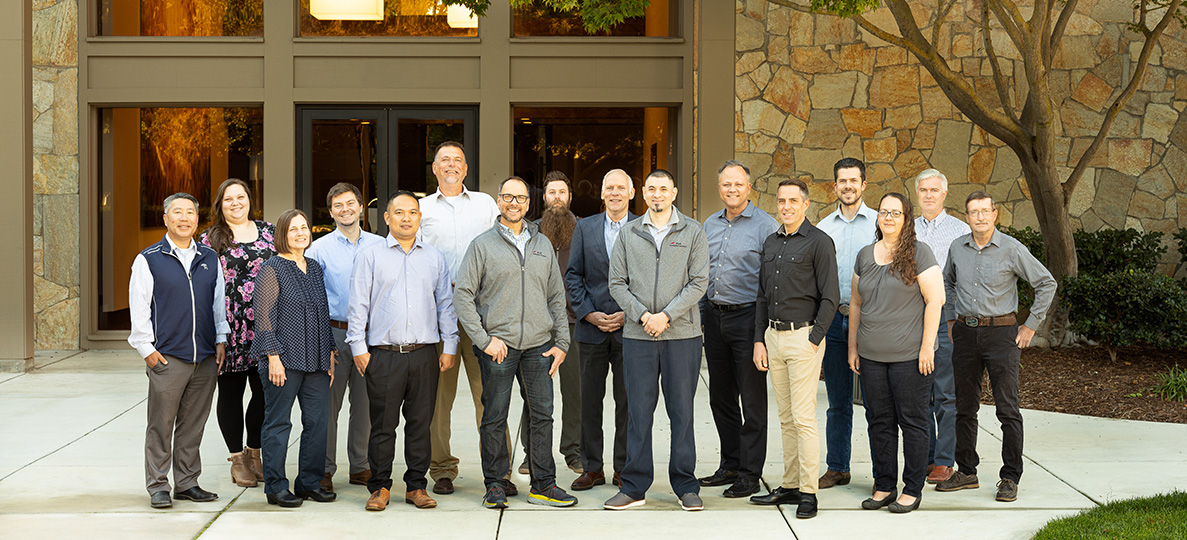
(534, 18)
(183, 18)
(400, 18)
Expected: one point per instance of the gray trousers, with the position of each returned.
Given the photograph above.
(179, 399)
(359, 428)
(569, 374)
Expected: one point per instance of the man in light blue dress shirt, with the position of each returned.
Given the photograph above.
(851, 227)
(335, 253)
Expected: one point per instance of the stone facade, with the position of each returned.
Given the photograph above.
(55, 174)
(813, 88)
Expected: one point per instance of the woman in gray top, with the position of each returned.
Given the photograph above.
(894, 315)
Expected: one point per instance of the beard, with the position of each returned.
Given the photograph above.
(557, 225)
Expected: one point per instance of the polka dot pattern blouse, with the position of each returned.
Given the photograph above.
(292, 316)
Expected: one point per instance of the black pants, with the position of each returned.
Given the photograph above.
(897, 397)
(231, 420)
(312, 391)
(976, 350)
(729, 354)
(597, 360)
(401, 382)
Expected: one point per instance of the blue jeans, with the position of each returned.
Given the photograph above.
(312, 390)
(674, 367)
(838, 382)
(531, 367)
(941, 425)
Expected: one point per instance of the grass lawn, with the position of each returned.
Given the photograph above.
(1160, 516)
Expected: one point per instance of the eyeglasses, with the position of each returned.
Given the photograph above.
(979, 213)
(889, 213)
(508, 197)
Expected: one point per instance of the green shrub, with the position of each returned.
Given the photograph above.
(1033, 240)
(1172, 385)
(1181, 241)
(1127, 308)
(1114, 250)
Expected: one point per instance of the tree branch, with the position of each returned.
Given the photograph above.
(1139, 72)
(1000, 83)
(938, 21)
(1056, 39)
(793, 5)
(1012, 22)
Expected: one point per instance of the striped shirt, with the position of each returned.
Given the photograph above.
(938, 234)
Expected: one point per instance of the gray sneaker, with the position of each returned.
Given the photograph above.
(691, 502)
(553, 496)
(621, 502)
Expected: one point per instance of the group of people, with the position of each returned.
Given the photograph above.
(919, 307)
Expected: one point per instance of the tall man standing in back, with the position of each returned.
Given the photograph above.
(851, 227)
(659, 270)
(735, 235)
(450, 219)
(335, 253)
(938, 229)
(179, 327)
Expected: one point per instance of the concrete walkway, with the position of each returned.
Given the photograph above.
(71, 463)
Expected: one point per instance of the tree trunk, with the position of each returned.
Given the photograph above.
(1051, 209)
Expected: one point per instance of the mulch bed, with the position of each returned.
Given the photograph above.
(1082, 380)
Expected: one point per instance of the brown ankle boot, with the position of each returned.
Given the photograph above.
(254, 463)
(241, 475)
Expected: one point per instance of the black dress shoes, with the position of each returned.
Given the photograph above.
(779, 495)
(807, 507)
(720, 478)
(160, 499)
(195, 494)
(318, 495)
(285, 499)
(742, 488)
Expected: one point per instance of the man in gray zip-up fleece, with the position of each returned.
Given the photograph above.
(510, 299)
(659, 270)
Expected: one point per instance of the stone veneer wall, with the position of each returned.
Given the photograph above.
(813, 88)
(55, 174)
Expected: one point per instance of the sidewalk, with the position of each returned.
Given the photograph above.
(71, 462)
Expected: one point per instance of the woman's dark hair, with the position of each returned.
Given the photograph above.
(281, 240)
(902, 262)
(219, 234)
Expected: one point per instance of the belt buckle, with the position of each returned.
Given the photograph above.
(970, 322)
(402, 350)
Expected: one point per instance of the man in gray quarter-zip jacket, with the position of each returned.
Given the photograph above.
(510, 299)
(659, 270)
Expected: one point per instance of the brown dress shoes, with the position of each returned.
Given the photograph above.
(379, 500)
(419, 499)
(939, 474)
(360, 478)
(833, 478)
(443, 486)
(588, 480)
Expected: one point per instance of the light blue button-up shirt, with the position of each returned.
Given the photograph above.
(735, 252)
(399, 298)
(520, 240)
(849, 236)
(610, 231)
(335, 254)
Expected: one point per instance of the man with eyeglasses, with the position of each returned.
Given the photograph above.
(510, 298)
(981, 278)
(450, 219)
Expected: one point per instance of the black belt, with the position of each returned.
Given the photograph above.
(787, 325)
(402, 349)
(726, 308)
(843, 309)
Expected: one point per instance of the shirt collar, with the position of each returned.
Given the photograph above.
(862, 210)
(392, 242)
(173, 247)
(746, 212)
(525, 230)
(465, 192)
(943, 215)
(675, 218)
(993, 240)
(799, 231)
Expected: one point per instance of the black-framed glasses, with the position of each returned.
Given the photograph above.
(891, 213)
(508, 197)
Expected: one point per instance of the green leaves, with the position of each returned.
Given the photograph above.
(1127, 308)
(597, 16)
(845, 8)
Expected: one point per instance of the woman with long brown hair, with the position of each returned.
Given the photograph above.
(894, 315)
(243, 244)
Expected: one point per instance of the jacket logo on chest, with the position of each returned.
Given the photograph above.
(677, 244)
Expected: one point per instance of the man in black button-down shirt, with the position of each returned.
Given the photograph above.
(797, 287)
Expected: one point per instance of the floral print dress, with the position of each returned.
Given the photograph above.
(241, 263)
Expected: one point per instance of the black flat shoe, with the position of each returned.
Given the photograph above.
(318, 495)
(779, 495)
(874, 504)
(285, 499)
(720, 477)
(896, 508)
(195, 494)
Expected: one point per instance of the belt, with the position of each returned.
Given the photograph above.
(338, 324)
(1001, 320)
(402, 349)
(726, 308)
(843, 309)
(787, 325)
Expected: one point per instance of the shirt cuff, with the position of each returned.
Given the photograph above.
(449, 347)
(221, 338)
(358, 348)
(145, 350)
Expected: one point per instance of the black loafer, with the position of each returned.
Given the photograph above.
(807, 507)
(779, 495)
(195, 494)
(874, 504)
(721, 477)
(160, 499)
(318, 495)
(896, 508)
(744, 487)
(285, 499)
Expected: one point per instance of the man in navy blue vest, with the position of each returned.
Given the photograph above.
(179, 326)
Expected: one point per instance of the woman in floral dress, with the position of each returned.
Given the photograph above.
(243, 245)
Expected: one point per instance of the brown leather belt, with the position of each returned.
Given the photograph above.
(402, 349)
(338, 324)
(977, 322)
(781, 326)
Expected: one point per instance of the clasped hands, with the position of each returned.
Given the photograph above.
(654, 323)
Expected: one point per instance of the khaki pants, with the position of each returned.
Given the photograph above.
(795, 370)
(443, 463)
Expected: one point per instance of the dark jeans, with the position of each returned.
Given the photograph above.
(569, 375)
(729, 354)
(975, 351)
(530, 366)
(231, 418)
(897, 396)
(649, 366)
(408, 382)
(597, 360)
(941, 425)
(838, 383)
(312, 390)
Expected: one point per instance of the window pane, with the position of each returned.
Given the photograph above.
(344, 151)
(393, 18)
(181, 18)
(417, 139)
(587, 142)
(148, 154)
(537, 19)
